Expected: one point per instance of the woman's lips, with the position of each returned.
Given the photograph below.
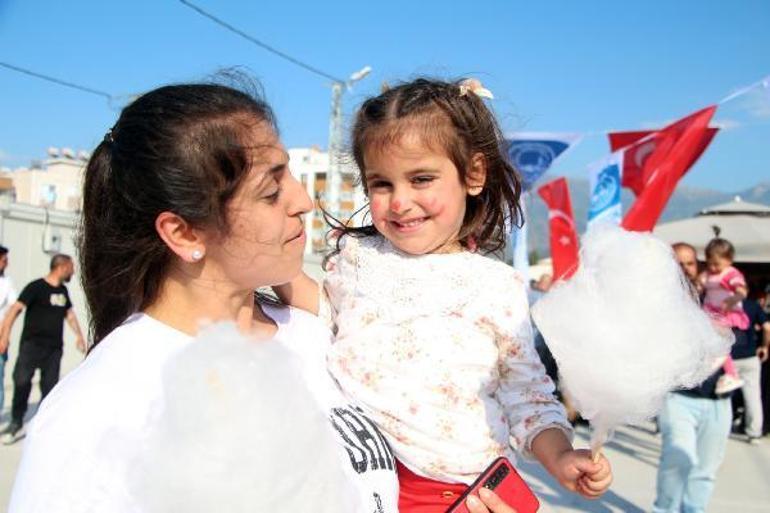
(297, 238)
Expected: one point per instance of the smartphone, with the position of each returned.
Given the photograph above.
(503, 479)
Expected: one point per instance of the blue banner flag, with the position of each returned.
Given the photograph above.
(533, 153)
(604, 186)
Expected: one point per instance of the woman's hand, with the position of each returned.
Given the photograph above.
(577, 472)
(489, 503)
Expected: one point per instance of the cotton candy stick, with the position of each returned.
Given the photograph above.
(625, 330)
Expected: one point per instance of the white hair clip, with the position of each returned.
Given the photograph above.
(474, 86)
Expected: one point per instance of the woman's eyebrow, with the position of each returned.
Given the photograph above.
(268, 175)
(278, 168)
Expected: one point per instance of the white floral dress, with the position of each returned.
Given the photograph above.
(437, 350)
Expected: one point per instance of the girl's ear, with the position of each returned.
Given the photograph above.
(476, 176)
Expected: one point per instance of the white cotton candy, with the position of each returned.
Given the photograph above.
(625, 330)
(239, 432)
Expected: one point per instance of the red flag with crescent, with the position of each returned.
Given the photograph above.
(563, 234)
(655, 161)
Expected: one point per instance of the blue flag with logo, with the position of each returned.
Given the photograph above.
(605, 186)
(533, 153)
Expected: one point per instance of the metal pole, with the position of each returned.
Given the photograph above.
(334, 174)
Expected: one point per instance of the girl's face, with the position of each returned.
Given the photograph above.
(416, 197)
(266, 240)
(717, 263)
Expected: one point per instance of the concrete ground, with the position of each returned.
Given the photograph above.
(742, 485)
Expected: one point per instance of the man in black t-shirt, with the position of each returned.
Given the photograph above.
(47, 305)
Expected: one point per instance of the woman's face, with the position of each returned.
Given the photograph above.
(266, 238)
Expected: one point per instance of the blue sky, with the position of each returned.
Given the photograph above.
(553, 65)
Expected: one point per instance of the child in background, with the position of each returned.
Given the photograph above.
(724, 289)
(433, 339)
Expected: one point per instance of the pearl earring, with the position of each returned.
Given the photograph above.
(197, 255)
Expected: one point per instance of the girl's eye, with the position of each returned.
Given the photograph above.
(378, 184)
(423, 179)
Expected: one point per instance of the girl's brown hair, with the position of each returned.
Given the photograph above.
(721, 248)
(458, 123)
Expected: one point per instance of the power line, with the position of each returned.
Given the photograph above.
(259, 43)
(58, 81)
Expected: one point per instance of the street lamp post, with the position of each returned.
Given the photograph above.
(334, 174)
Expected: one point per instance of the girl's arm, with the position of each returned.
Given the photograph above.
(737, 283)
(537, 420)
(301, 292)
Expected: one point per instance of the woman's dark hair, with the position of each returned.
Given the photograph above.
(181, 149)
(720, 248)
(458, 124)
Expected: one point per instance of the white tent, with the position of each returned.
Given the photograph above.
(746, 225)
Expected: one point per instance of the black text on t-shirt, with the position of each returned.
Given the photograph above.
(364, 443)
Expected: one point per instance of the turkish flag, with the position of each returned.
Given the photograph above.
(641, 144)
(655, 161)
(564, 239)
(634, 156)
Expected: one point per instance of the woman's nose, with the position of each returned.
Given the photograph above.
(299, 200)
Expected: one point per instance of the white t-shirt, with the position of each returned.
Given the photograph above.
(366, 455)
(7, 295)
(68, 464)
(71, 461)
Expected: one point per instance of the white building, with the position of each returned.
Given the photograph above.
(310, 166)
(55, 184)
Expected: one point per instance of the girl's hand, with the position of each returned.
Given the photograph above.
(489, 503)
(576, 471)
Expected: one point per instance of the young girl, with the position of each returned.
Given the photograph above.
(724, 290)
(433, 340)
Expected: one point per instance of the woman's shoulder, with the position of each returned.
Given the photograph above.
(298, 329)
(118, 375)
(288, 316)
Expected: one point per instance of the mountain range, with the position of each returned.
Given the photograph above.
(685, 202)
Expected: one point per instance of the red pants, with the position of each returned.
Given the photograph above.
(422, 495)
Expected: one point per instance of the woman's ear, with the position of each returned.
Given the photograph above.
(181, 238)
(476, 176)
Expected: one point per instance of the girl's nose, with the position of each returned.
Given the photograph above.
(399, 203)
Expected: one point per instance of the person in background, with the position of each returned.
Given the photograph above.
(724, 288)
(694, 426)
(47, 303)
(749, 358)
(7, 298)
